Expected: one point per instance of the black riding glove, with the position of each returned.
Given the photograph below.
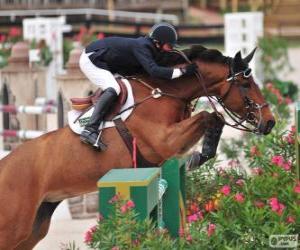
(189, 70)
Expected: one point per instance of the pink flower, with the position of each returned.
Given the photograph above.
(239, 197)
(233, 163)
(114, 199)
(288, 100)
(130, 204)
(240, 182)
(259, 204)
(2, 38)
(290, 219)
(293, 129)
(287, 166)
(200, 215)
(269, 85)
(115, 248)
(277, 160)
(14, 32)
(88, 237)
(136, 242)
(297, 188)
(192, 218)
(276, 206)
(211, 229)
(100, 35)
(254, 151)
(195, 217)
(225, 190)
(123, 209)
(257, 171)
(188, 238)
(289, 139)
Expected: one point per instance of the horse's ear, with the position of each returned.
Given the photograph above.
(238, 61)
(238, 56)
(248, 58)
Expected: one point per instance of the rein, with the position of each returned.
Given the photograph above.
(155, 93)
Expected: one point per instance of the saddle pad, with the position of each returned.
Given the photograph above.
(78, 126)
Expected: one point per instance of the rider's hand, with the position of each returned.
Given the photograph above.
(189, 70)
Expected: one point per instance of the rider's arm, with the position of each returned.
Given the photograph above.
(145, 58)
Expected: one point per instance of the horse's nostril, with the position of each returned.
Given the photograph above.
(270, 124)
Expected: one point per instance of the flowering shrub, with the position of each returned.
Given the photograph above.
(124, 231)
(6, 41)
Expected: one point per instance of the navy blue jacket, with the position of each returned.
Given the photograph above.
(128, 56)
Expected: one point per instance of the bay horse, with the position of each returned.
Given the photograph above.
(42, 172)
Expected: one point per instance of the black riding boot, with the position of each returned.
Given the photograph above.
(90, 133)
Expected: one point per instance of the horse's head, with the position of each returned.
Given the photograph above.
(231, 81)
(241, 95)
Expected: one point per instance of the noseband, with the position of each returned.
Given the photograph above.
(251, 106)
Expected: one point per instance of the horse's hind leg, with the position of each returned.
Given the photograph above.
(40, 226)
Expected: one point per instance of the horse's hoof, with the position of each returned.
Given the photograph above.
(196, 160)
(192, 163)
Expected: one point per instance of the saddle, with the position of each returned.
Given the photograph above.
(83, 104)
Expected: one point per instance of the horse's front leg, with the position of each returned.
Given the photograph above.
(210, 143)
(179, 137)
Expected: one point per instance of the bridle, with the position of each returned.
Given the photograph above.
(251, 106)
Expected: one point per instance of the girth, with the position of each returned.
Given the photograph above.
(128, 140)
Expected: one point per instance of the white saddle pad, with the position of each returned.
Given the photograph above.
(78, 126)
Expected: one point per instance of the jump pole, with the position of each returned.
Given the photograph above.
(22, 134)
(35, 110)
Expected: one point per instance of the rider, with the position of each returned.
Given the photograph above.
(103, 57)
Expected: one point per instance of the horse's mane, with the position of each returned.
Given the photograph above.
(194, 52)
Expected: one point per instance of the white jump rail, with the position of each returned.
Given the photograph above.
(36, 110)
(22, 134)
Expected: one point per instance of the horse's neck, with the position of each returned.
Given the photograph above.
(172, 109)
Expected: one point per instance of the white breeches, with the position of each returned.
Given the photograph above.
(100, 77)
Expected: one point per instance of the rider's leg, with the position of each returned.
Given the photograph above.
(111, 89)
(90, 133)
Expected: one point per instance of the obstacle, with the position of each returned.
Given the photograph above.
(43, 101)
(36, 110)
(297, 139)
(158, 193)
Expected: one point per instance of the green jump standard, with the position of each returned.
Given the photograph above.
(141, 186)
(297, 139)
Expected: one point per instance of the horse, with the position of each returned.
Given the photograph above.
(39, 174)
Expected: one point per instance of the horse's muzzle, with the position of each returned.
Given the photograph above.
(267, 127)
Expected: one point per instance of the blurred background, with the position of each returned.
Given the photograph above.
(41, 41)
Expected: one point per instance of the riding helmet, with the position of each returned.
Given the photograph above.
(163, 33)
